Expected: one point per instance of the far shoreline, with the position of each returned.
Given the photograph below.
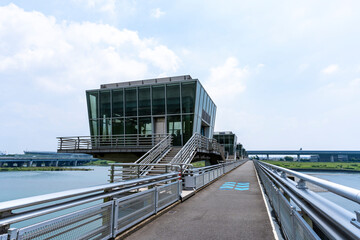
(48, 169)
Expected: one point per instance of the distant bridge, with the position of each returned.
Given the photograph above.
(324, 155)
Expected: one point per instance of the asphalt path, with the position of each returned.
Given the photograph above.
(230, 208)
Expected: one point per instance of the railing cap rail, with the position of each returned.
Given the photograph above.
(344, 191)
(35, 200)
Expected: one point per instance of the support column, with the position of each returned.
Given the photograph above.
(56, 163)
(298, 157)
(267, 156)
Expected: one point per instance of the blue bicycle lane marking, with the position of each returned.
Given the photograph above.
(235, 186)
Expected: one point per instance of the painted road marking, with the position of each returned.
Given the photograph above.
(235, 186)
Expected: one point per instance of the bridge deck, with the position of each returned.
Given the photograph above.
(215, 213)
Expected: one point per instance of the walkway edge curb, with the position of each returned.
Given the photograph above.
(276, 236)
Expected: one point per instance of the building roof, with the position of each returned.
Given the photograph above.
(147, 82)
(224, 133)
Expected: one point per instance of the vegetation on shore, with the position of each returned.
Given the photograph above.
(332, 166)
(198, 164)
(13, 169)
(99, 162)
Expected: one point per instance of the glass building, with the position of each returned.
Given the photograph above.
(228, 140)
(174, 105)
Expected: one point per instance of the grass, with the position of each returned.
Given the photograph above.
(14, 169)
(198, 164)
(99, 162)
(341, 166)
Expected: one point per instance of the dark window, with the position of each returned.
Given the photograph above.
(105, 110)
(187, 127)
(131, 126)
(188, 97)
(118, 126)
(92, 102)
(130, 102)
(173, 99)
(145, 126)
(174, 128)
(158, 100)
(144, 101)
(118, 103)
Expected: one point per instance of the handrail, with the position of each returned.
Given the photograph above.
(31, 201)
(109, 141)
(331, 219)
(196, 142)
(344, 191)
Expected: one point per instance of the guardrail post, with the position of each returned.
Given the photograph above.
(301, 184)
(356, 222)
(112, 170)
(138, 171)
(156, 199)
(12, 233)
(283, 174)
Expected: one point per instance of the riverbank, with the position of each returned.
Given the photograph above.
(16, 169)
(319, 166)
(99, 163)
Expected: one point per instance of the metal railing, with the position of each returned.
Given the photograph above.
(109, 141)
(304, 214)
(125, 171)
(154, 155)
(193, 145)
(195, 178)
(99, 212)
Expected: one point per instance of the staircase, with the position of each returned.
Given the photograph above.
(165, 160)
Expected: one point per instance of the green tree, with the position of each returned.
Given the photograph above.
(288, 158)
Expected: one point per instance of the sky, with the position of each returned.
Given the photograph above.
(283, 74)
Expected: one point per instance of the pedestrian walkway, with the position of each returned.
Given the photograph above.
(230, 208)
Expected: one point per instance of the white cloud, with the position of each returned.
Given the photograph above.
(227, 80)
(46, 65)
(157, 13)
(330, 69)
(66, 56)
(107, 6)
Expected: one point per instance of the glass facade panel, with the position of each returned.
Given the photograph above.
(158, 100)
(105, 126)
(188, 97)
(118, 126)
(118, 103)
(94, 130)
(187, 127)
(131, 126)
(105, 107)
(144, 101)
(174, 128)
(92, 101)
(173, 98)
(145, 126)
(130, 102)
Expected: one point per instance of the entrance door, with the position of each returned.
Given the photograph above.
(159, 128)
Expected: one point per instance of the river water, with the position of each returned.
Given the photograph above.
(14, 185)
(346, 179)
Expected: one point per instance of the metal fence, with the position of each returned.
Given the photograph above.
(114, 208)
(99, 212)
(195, 178)
(109, 141)
(304, 214)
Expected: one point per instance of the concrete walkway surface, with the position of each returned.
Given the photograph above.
(230, 208)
